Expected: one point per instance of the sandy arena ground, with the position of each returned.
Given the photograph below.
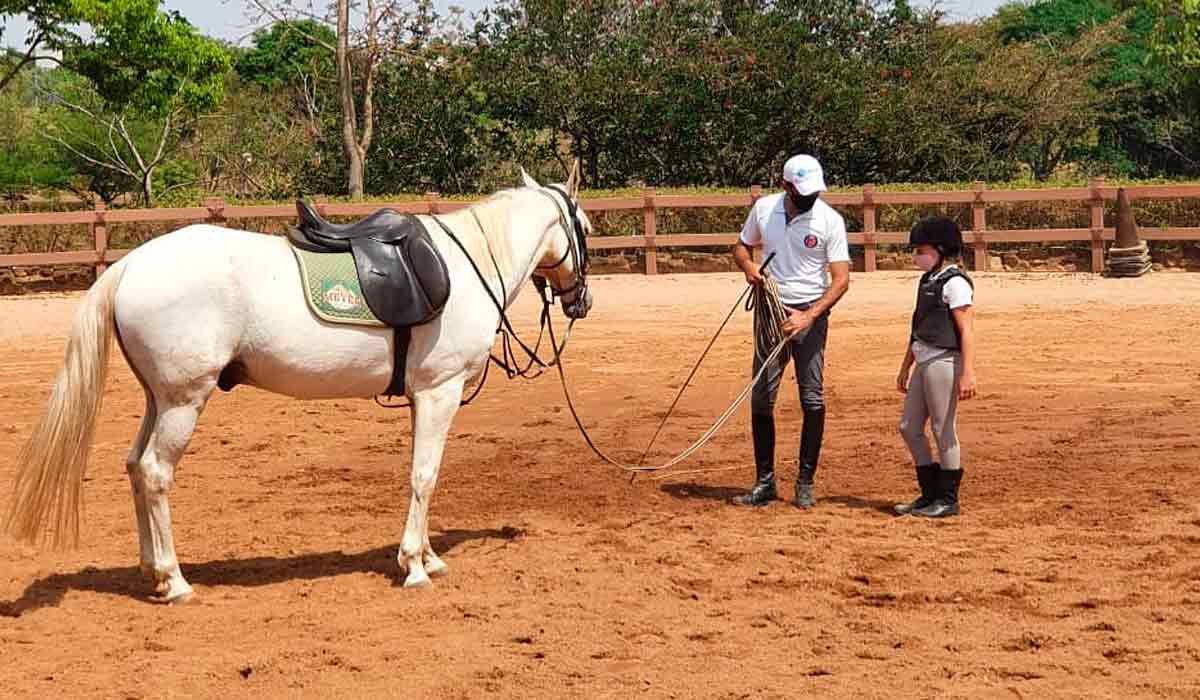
(1073, 572)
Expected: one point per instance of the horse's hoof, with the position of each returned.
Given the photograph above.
(173, 595)
(436, 568)
(419, 582)
(181, 598)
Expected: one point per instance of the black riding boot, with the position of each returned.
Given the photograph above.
(927, 480)
(945, 502)
(763, 427)
(810, 453)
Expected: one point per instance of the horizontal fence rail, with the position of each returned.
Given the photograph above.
(216, 211)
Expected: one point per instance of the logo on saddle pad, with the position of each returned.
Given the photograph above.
(338, 296)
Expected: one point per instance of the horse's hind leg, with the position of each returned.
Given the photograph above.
(173, 428)
(132, 466)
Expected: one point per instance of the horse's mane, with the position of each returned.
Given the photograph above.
(492, 212)
(493, 216)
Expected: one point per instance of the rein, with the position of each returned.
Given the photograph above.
(508, 360)
(769, 314)
(762, 299)
(508, 356)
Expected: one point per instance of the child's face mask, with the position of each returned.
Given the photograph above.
(925, 261)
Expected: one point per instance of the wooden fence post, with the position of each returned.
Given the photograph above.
(870, 247)
(432, 201)
(216, 210)
(100, 236)
(650, 229)
(1097, 224)
(979, 225)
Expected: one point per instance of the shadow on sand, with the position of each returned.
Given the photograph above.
(255, 571)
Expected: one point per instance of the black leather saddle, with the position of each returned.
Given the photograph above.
(403, 276)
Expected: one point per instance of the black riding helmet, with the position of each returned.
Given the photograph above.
(940, 232)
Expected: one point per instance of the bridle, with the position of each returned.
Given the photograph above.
(577, 252)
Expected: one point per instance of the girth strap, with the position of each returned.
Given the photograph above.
(399, 361)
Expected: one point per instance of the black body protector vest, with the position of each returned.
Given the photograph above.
(932, 322)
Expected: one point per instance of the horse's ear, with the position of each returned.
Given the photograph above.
(528, 180)
(573, 181)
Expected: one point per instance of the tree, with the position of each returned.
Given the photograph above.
(440, 134)
(582, 72)
(134, 46)
(1176, 38)
(291, 58)
(27, 161)
(1146, 126)
(50, 23)
(148, 76)
(361, 44)
(288, 54)
(356, 139)
(113, 153)
(693, 91)
(259, 143)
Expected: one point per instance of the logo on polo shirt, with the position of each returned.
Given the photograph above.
(810, 241)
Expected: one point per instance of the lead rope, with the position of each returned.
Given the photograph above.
(769, 315)
(760, 300)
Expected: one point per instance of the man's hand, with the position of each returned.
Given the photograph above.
(797, 322)
(902, 380)
(743, 255)
(966, 386)
(753, 276)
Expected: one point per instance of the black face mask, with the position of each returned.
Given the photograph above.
(803, 203)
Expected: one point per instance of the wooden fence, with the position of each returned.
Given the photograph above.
(216, 211)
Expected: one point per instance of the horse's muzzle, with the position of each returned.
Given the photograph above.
(580, 306)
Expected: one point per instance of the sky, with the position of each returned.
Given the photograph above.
(226, 19)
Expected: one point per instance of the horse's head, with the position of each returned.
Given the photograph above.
(564, 265)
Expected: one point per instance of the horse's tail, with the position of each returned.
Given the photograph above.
(52, 463)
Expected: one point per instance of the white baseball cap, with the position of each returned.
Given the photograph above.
(805, 174)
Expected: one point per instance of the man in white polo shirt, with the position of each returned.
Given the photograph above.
(812, 270)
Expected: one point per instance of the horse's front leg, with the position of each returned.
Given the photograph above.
(432, 412)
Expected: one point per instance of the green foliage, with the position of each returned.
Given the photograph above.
(288, 54)
(126, 95)
(1053, 18)
(138, 56)
(1146, 127)
(268, 155)
(80, 140)
(27, 163)
(50, 21)
(686, 93)
(1176, 38)
(655, 92)
(434, 125)
(147, 60)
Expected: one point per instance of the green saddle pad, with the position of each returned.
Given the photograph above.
(331, 287)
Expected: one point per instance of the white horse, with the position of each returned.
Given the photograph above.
(188, 304)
